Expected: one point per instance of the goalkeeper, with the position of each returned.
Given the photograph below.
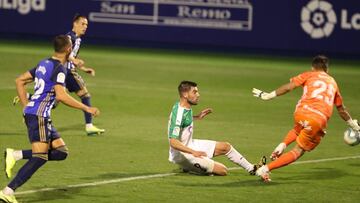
(311, 115)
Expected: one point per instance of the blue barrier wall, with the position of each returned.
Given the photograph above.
(328, 26)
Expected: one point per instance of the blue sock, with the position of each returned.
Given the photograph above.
(27, 154)
(88, 118)
(28, 170)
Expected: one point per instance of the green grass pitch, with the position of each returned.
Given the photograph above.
(135, 90)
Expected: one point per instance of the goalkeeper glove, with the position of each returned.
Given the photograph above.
(263, 95)
(353, 124)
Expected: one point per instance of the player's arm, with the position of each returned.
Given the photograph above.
(202, 114)
(345, 115)
(87, 70)
(278, 92)
(21, 82)
(176, 144)
(78, 62)
(64, 97)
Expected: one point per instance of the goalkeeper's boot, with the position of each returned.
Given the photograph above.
(7, 198)
(10, 162)
(278, 151)
(258, 165)
(16, 100)
(93, 130)
(264, 173)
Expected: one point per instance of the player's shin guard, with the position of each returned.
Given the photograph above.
(237, 158)
(86, 100)
(25, 173)
(58, 154)
(284, 160)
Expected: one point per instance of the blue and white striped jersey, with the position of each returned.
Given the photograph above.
(76, 43)
(46, 74)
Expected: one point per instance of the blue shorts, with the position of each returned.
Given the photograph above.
(74, 81)
(40, 129)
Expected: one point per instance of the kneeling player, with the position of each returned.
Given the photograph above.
(195, 155)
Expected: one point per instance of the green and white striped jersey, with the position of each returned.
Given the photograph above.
(180, 126)
(180, 123)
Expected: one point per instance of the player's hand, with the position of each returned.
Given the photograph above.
(88, 71)
(198, 154)
(354, 124)
(93, 111)
(204, 113)
(263, 95)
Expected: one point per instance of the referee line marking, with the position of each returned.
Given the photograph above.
(119, 180)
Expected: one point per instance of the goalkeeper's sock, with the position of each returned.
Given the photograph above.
(239, 159)
(284, 160)
(290, 137)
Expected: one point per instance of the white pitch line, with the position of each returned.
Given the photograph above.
(97, 183)
(118, 180)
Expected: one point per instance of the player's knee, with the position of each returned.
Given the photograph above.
(222, 148)
(40, 156)
(62, 152)
(225, 147)
(220, 170)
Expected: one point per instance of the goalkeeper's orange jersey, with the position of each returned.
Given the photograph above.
(320, 93)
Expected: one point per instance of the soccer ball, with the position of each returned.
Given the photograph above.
(351, 137)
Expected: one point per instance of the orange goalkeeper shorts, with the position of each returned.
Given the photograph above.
(310, 129)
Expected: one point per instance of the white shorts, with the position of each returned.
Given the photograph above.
(201, 165)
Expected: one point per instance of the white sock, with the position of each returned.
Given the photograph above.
(17, 154)
(88, 125)
(237, 158)
(8, 191)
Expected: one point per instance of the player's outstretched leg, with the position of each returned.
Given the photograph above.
(24, 174)
(283, 160)
(225, 148)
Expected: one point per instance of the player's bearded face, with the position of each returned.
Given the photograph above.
(193, 96)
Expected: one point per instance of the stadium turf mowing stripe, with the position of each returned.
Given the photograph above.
(118, 180)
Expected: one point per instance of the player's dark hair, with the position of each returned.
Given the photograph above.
(185, 86)
(77, 16)
(320, 62)
(61, 42)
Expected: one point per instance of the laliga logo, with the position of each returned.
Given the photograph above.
(318, 19)
(23, 6)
